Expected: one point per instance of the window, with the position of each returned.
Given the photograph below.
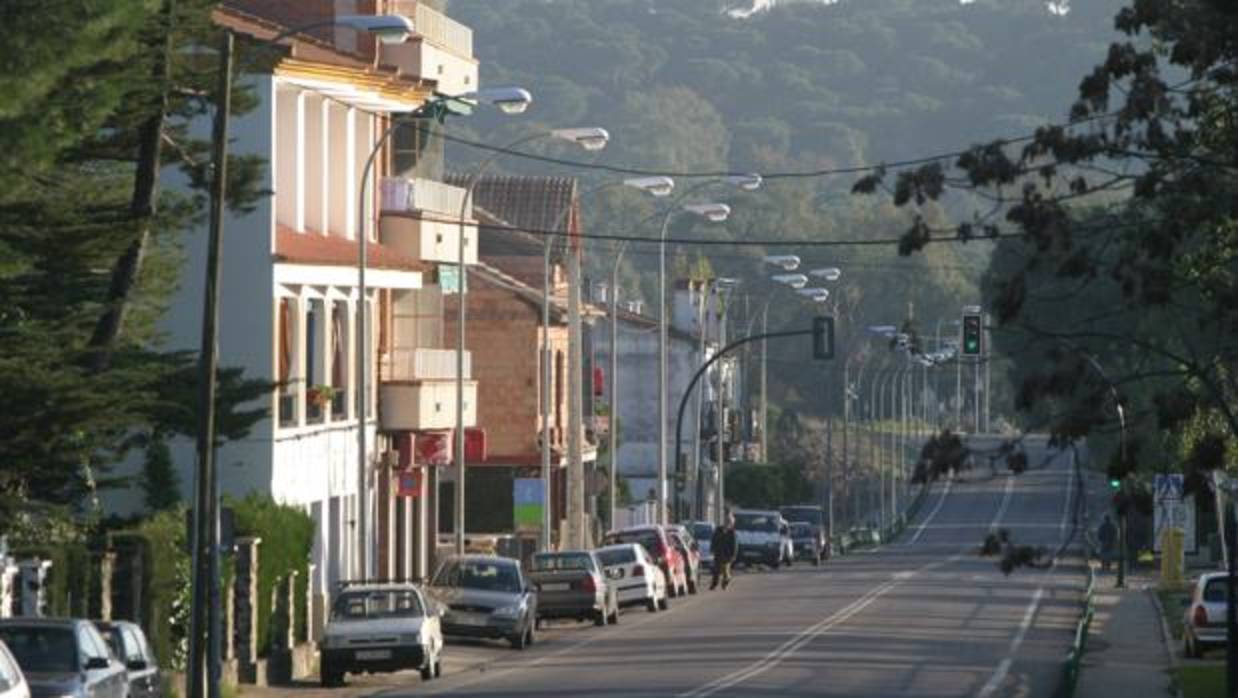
(559, 389)
(132, 647)
(558, 562)
(339, 360)
(387, 603)
(617, 556)
(42, 649)
(287, 389)
(483, 575)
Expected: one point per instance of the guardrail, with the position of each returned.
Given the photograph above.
(1070, 668)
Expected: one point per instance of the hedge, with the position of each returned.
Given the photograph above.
(287, 535)
(70, 578)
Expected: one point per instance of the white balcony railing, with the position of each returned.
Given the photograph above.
(437, 27)
(400, 194)
(421, 364)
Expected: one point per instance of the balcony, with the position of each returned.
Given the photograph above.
(421, 393)
(441, 50)
(419, 216)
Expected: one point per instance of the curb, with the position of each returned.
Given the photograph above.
(1166, 636)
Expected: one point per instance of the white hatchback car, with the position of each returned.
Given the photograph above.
(12, 682)
(1203, 623)
(637, 576)
(381, 627)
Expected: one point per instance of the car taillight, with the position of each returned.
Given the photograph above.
(587, 584)
(1200, 617)
(638, 571)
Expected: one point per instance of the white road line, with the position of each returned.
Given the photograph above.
(932, 513)
(1029, 614)
(786, 649)
(1001, 508)
(498, 673)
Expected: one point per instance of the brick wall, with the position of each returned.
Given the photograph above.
(503, 333)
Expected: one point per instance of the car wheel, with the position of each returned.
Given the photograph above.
(329, 677)
(520, 641)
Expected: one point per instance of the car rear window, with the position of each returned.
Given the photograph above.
(1214, 591)
(617, 556)
(39, 648)
(384, 603)
(562, 562)
(647, 538)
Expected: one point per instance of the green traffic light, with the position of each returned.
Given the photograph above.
(1114, 483)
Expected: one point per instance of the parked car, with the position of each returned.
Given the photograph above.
(573, 584)
(808, 545)
(129, 645)
(1203, 623)
(703, 533)
(814, 516)
(658, 545)
(63, 658)
(483, 596)
(683, 541)
(12, 681)
(637, 578)
(380, 627)
(764, 538)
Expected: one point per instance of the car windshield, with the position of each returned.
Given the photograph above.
(114, 640)
(702, 532)
(616, 556)
(756, 522)
(801, 530)
(809, 515)
(647, 538)
(40, 648)
(559, 562)
(377, 603)
(484, 575)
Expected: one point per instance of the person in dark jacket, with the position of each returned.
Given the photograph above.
(1107, 534)
(725, 548)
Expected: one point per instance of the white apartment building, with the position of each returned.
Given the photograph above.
(290, 292)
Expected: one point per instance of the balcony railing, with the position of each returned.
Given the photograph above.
(437, 27)
(421, 364)
(400, 194)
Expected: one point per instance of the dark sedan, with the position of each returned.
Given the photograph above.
(64, 658)
(129, 644)
(572, 584)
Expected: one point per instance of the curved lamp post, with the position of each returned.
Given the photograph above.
(592, 139)
(654, 186)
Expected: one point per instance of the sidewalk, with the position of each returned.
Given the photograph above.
(1126, 654)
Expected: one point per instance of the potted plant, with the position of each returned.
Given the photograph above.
(320, 395)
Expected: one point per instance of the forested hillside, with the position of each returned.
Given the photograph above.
(683, 86)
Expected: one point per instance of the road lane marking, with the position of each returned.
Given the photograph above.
(786, 649)
(1001, 508)
(932, 513)
(1029, 614)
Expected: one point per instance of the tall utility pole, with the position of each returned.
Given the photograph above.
(764, 403)
(988, 371)
(205, 608)
(576, 527)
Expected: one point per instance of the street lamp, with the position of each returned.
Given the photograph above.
(788, 262)
(796, 281)
(654, 186)
(589, 138)
(828, 273)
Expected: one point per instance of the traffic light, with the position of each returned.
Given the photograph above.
(823, 338)
(971, 335)
(1115, 483)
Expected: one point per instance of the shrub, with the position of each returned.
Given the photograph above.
(287, 535)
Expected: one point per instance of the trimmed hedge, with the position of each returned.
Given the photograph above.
(287, 535)
(166, 582)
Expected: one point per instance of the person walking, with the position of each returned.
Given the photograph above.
(1107, 534)
(725, 548)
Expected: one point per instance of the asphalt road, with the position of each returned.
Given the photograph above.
(923, 616)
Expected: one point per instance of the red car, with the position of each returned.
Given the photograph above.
(656, 541)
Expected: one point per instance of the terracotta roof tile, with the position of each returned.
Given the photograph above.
(314, 248)
(530, 203)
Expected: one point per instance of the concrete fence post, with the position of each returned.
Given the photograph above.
(245, 602)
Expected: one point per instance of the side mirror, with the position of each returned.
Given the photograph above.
(136, 664)
(94, 663)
